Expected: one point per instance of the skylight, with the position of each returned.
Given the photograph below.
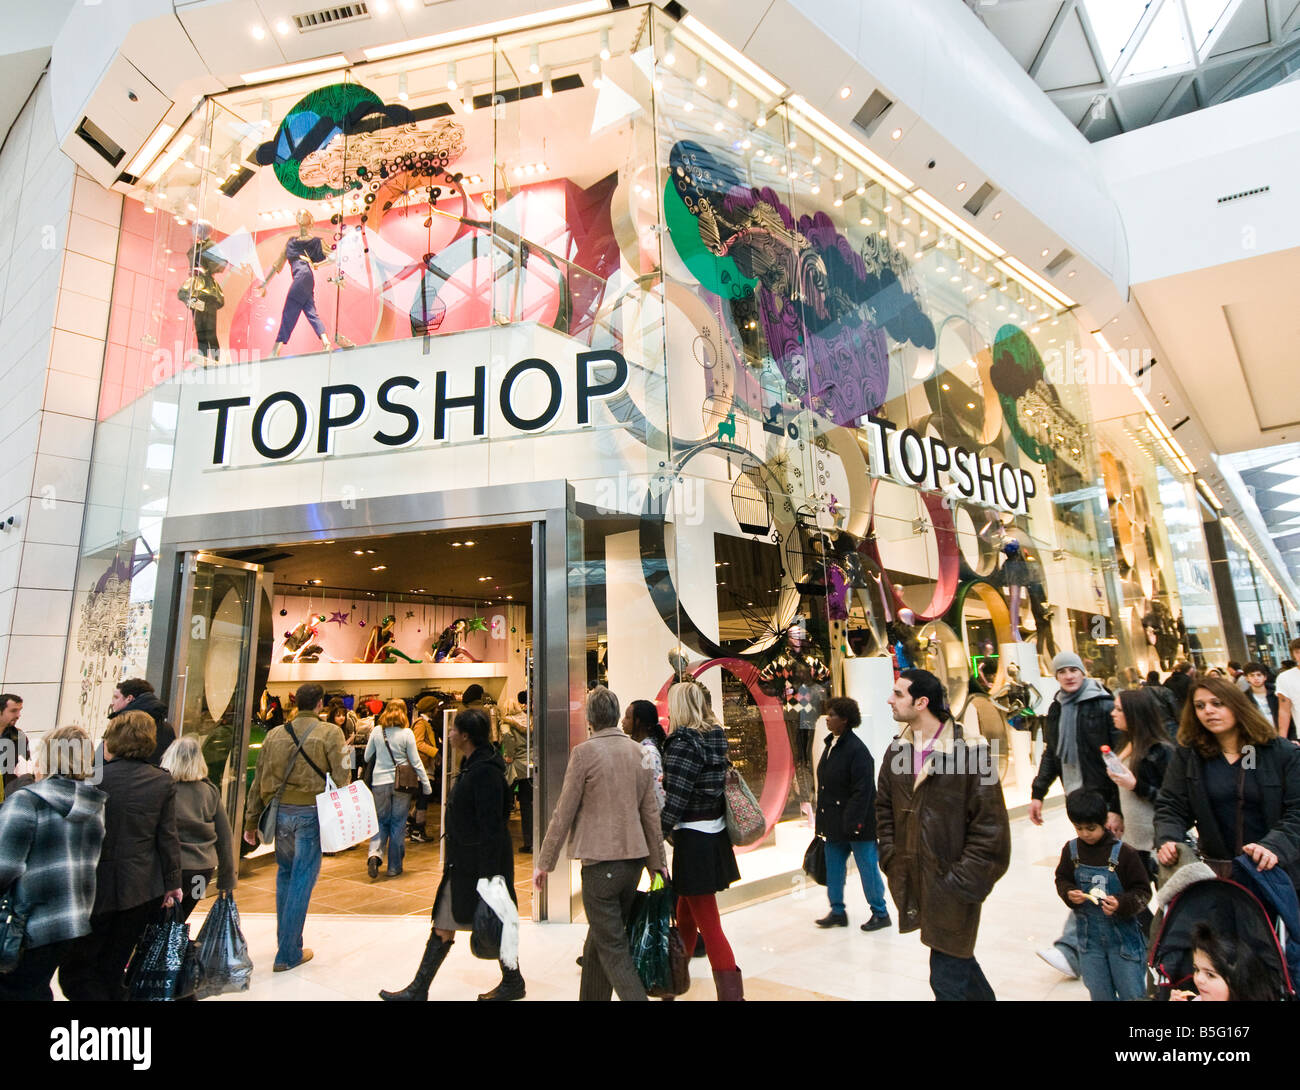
(1163, 46)
(1114, 23)
(1206, 16)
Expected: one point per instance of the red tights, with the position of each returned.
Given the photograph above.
(699, 915)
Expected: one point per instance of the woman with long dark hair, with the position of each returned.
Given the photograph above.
(1140, 715)
(477, 846)
(1236, 804)
(641, 724)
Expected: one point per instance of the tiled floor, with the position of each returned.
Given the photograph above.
(345, 888)
(782, 954)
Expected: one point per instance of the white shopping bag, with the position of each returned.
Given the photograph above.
(497, 895)
(347, 815)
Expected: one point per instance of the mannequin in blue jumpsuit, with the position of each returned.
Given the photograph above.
(304, 253)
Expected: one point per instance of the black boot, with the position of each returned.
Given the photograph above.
(511, 987)
(435, 950)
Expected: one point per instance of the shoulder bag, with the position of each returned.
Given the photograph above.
(271, 812)
(745, 820)
(405, 778)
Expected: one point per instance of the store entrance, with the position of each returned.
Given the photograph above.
(434, 621)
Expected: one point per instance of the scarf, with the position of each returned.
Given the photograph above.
(1067, 742)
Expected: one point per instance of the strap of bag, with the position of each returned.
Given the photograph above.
(294, 760)
(383, 736)
(1241, 804)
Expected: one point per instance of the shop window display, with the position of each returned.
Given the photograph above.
(815, 439)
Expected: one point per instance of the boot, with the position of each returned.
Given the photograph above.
(730, 987)
(435, 950)
(511, 987)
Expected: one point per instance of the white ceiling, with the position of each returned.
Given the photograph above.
(1232, 333)
(1112, 66)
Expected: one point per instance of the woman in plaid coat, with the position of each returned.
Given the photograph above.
(693, 817)
(50, 835)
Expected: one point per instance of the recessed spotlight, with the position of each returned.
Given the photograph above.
(471, 543)
(281, 26)
(314, 582)
(1070, 274)
(604, 45)
(257, 32)
(897, 134)
(1044, 253)
(845, 91)
(455, 544)
(961, 186)
(380, 567)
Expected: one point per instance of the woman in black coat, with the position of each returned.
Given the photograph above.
(1238, 805)
(846, 815)
(477, 845)
(139, 868)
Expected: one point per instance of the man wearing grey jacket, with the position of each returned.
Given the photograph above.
(609, 812)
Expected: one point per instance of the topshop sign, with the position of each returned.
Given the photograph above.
(398, 411)
(925, 461)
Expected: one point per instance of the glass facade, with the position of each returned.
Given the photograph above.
(811, 431)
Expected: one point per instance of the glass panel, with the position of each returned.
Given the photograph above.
(1164, 44)
(1114, 23)
(216, 633)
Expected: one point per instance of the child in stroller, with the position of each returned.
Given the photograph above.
(1232, 938)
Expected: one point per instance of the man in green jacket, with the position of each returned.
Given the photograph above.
(293, 763)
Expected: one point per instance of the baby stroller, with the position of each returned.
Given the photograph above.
(1259, 910)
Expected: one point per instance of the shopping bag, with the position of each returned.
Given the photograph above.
(495, 934)
(165, 965)
(745, 820)
(814, 861)
(347, 815)
(224, 964)
(650, 935)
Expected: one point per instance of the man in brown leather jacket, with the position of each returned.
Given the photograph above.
(942, 828)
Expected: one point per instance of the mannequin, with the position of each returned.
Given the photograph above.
(380, 647)
(300, 641)
(304, 252)
(1018, 700)
(201, 292)
(1017, 578)
(451, 642)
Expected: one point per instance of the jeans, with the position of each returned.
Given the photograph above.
(1068, 943)
(958, 979)
(867, 859)
(297, 855)
(391, 808)
(1112, 958)
(607, 966)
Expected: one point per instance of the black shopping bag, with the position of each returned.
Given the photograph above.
(165, 965)
(224, 964)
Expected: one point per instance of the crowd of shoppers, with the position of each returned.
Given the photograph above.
(94, 863)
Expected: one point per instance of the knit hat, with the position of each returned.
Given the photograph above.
(1067, 660)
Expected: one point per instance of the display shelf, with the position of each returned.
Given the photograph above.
(300, 672)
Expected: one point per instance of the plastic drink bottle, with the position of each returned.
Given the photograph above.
(1112, 762)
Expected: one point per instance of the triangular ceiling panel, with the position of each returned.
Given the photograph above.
(1021, 29)
(1069, 62)
(1163, 47)
(1249, 26)
(1142, 101)
(1213, 80)
(1186, 102)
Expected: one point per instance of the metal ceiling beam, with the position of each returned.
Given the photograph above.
(1173, 98)
(1190, 36)
(1053, 32)
(1138, 37)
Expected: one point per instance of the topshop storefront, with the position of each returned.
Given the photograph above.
(775, 418)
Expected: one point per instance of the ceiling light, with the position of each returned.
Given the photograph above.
(455, 544)
(401, 87)
(471, 543)
(281, 26)
(406, 5)
(761, 120)
(839, 198)
(604, 45)
(861, 187)
(314, 582)
(299, 68)
(257, 32)
(670, 55)
(845, 91)
(380, 567)
(547, 91)
(961, 186)
(451, 76)
(732, 97)
(597, 72)
(534, 65)
(897, 134)
(864, 213)
(1045, 253)
(839, 170)
(816, 184)
(152, 147)
(817, 154)
(998, 214)
(380, 6)
(701, 75)
(467, 100)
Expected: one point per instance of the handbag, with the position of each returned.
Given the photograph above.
(745, 820)
(165, 965)
(201, 288)
(485, 937)
(814, 861)
(271, 811)
(405, 778)
(13, 932)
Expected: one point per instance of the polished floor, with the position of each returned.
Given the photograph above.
(783, 956)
